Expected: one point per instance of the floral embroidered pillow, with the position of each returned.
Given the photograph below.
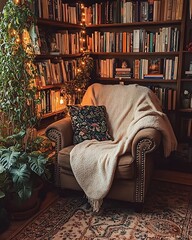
(89, 122)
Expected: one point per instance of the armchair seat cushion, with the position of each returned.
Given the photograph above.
(124, 170)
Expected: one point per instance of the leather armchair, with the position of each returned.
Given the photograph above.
(133, 107)
(134, 170)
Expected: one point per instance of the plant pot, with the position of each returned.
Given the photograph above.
(23, 209)
(4, 217)
(186, 103)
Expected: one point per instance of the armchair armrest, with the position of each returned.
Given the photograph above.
(145, 141)
(150, 138)
(61, 133)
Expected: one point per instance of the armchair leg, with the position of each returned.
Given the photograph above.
(138, 207)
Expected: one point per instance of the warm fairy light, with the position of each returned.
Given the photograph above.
(17, 1)
(83, 31)
(26, 40)
(78, 70)
(83, 63)
(18, 40)
(61, 100)
(82, 6)
(83, 39)
(14, 32)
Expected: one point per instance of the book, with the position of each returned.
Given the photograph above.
(153, 76)
(154, 66)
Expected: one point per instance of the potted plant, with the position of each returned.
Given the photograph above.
(20, 172)
(186, 98)
(23, 154)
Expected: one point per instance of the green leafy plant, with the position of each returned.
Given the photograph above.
(83, 74)
(19, 167)
(23, 155)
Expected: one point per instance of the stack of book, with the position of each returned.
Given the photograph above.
(188, 73)
(122, 72)
(153, 76)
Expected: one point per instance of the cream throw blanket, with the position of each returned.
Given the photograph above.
(129, 108)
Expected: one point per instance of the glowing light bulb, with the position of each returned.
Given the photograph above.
(61, 100)
(17, 2)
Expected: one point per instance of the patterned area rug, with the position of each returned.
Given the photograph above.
(167, 215)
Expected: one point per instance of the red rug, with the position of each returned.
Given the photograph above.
(167, 215)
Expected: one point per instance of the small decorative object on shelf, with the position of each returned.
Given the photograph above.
(189, 47)
(75, 88)
(186, 99)
(189, 72)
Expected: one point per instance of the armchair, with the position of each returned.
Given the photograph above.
(135, 164)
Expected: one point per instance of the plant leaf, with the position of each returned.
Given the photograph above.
(20, 174)
(25, 192)
(37, 163)
(8, 157)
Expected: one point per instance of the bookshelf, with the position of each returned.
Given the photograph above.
(185, 106)
(150, 31)
(58, 45)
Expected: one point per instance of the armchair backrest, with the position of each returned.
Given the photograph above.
(121, 102)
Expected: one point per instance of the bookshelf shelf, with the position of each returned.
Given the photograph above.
(59, 56)
(58, 24)
(188, 110)
(135, 54)
(135, 24)
(47, 115)
(186, 80)
(133, 80)
(50, 86)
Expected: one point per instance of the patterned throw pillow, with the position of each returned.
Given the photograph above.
(89, 122)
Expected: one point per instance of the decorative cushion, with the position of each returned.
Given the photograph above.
(89, 122)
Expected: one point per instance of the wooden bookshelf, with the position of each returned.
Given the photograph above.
(177, 19)
(182, 25)
(58, 27)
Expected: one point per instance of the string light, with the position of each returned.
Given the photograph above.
(17, 2)
(61, 100)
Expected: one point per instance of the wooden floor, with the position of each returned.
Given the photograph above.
(162, 175)
(16, 225)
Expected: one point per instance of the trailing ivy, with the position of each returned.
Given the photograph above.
(17, 72)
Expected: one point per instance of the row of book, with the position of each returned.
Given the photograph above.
(167, 97)
(186, 127)
(166, 39)
(155, 69)
(57, 43)
(59, 11)
(151, 69)
(55, 72)
(52, 101)
(122, 11)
